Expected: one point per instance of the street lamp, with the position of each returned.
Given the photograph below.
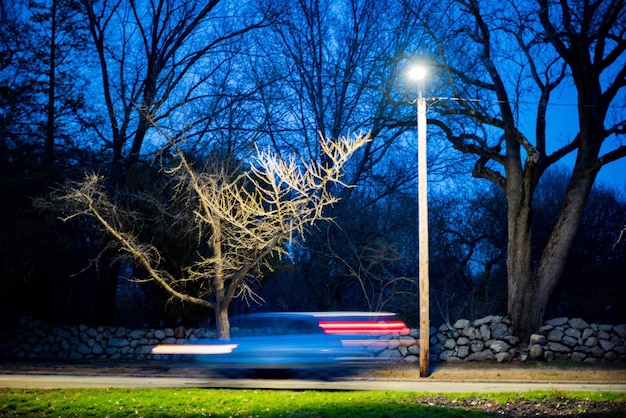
(418, 73)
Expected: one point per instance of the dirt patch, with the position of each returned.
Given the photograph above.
(555, 407)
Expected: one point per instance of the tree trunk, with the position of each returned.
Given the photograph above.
(108, 273)
(521, 282)
(530, 290)
(222, 324)
(50, 122)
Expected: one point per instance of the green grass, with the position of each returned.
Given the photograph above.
(255, 403)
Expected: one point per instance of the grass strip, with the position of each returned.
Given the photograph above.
(196, 402)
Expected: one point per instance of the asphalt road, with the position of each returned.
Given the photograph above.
(47, 380)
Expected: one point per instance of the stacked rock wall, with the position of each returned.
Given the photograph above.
(80, 342)
(575, 339)
(485, 339)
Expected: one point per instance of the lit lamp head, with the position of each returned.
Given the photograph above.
(417, 72)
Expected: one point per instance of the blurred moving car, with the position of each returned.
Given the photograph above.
(317, 343)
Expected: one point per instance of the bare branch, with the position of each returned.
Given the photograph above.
(240, 218)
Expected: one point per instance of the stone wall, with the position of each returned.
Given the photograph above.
(36, 340)
(485, 339)
(575, 339)
(490, 338)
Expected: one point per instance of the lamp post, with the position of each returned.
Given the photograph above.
(417, 73)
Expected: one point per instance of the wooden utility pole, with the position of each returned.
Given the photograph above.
(422, 207)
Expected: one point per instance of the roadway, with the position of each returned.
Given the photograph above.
(78, 381)
(478, 379)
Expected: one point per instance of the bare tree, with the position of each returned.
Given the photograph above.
(468, 274)
(40, 43)
(592, 282)
(515, 58)
(61, 26)
(156, 57)
(373, 267)
(241, 218)
(155, 61)
(336, 64)
(621, 236)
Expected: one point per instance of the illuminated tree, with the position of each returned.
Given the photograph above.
(512, 60)
(240, 218)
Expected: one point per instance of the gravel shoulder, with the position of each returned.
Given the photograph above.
(526, 372)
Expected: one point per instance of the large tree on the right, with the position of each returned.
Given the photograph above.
(513, 68)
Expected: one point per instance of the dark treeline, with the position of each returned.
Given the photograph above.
(107, 87)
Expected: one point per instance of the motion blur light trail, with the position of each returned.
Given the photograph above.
(364, 328)
(322, 344)
(194, 348)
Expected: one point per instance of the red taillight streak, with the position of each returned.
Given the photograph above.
(396, 327)
(363, 343)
